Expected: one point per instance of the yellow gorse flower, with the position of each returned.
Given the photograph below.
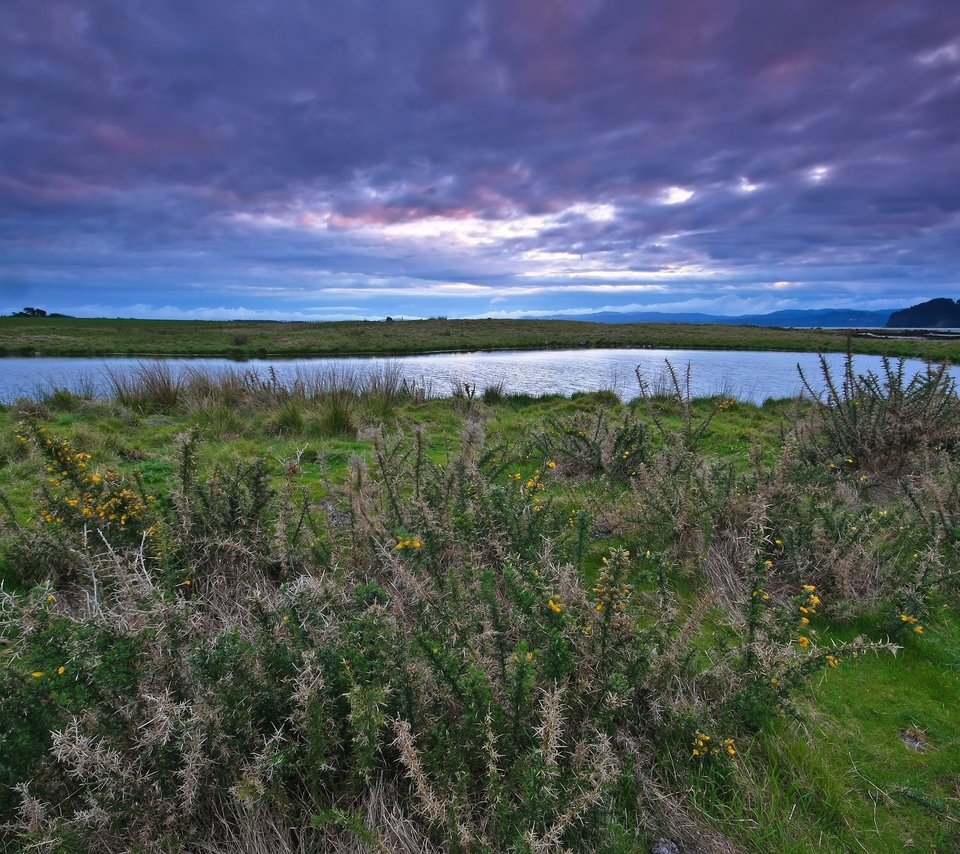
(555, 606)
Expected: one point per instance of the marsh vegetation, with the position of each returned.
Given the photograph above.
(265, 617)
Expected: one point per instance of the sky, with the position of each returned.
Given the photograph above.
(343, 159)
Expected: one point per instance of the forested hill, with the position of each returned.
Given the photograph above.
(939, 313)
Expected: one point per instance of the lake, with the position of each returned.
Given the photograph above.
(745, 375)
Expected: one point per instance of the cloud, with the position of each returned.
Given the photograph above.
(432, 157)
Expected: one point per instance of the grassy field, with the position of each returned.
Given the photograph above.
(277, 619)
(102, 337)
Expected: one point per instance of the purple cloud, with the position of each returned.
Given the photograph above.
(504, 155)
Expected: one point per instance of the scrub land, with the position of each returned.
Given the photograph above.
(242, 616)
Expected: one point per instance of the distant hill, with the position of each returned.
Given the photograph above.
(839, 318)
(942, 313)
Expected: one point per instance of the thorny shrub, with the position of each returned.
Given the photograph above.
(434, 675)
(881, 423)
(596, 443)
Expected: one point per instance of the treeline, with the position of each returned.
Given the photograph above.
(940, 313)
(37, 312)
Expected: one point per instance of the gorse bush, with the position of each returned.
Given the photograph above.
(880, 423)
(596, 444)
(232, 668)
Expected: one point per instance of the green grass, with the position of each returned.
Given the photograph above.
(842, 778)
(249, 339)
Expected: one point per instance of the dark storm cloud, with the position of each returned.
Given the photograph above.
(450, 157)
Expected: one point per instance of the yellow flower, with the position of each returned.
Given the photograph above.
(768, 564)
(804, 641)
(49, 597)
(833, 661)
(778, 542)
(516, 475)
(529, 656)
(774, 681)
(551, 465)
(599, 607)
(907, 618)
(809, 588)
(805, 621)
(61, 670)
(37, 674)
(814, 600)
(95, 478)
(918, 629)
(556, 607)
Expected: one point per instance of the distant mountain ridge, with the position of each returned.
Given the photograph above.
(940, 313)
(839, 318)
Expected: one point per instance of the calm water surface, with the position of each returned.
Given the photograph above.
(746, 375)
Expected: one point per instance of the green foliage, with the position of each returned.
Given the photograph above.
(596, 443)
(337, 416)
(881, 423)
(457, 648)
(286, 419)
